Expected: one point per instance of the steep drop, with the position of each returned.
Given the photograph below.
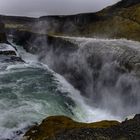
(105, 71)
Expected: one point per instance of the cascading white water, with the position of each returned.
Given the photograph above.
(106, 71)
(30, 91)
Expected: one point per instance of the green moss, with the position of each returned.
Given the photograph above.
(14, 26)
(54, 125)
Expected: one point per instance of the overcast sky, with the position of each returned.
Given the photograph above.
(51, 7)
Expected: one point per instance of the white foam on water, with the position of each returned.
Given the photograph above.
(26, 111)
(82, 41)
(7, 47)
(82, 111)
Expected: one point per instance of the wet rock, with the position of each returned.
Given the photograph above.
(3, 37)
(8, 54)
(13, 59)
(31, 42)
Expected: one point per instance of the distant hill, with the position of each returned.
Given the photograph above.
(121, 20)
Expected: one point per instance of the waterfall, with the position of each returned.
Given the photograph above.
(87, 79)
(106, 71)
(30, 91)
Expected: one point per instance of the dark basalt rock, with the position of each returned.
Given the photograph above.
(7, 52)
(13, 59)
(31, 42)
(126, 3)
(10, 57)
(63, 128)
(3, 38)
(36, 43)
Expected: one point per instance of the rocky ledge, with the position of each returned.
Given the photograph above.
(8, 53)
(64, 128)
(121, 20)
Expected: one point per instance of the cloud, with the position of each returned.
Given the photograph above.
(51, 7)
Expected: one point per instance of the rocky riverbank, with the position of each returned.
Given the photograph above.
(63, 128)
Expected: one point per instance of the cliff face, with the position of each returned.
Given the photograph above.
(8, 53)
(3, 38)
(118, 21)
(122, 21)
(126, 3)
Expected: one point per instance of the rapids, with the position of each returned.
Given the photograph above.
(30, 91)
(106, 71)
(88, 83)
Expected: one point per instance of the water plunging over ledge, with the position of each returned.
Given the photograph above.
(30, 91)
(106, 71)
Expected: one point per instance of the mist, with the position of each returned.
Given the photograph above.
(95, 70)
(36, 8)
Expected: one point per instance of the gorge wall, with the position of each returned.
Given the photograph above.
(121, 20)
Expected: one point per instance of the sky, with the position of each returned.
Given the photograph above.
(36, 8)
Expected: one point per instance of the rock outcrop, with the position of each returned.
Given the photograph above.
(8, 53)
(3, 38)
(63, 128)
